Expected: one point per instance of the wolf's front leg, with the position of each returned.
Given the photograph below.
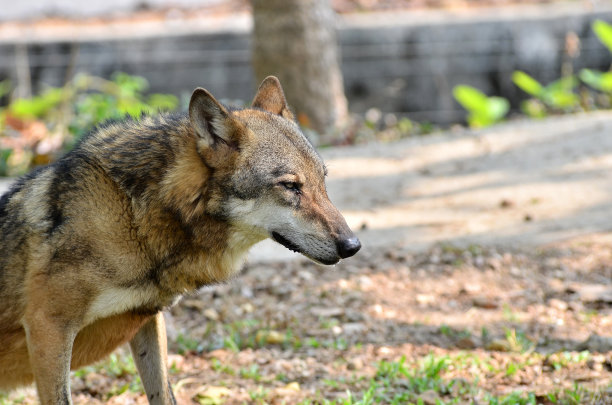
(49, 341)
(149, 349)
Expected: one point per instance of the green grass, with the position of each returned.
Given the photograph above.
(565, 359)
(120, 366)
(252, 372)
(259, 395)
(397, 382)
(454, 333)
(217, 366)
(429, 379)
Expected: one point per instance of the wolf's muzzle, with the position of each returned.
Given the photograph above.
(348, 247)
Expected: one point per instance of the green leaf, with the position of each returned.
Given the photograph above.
(560, 93)
(598, 80)
(483, 110)
(567, 83)
(603, 30)
(527, 83)
(497, 107)
(561, 99)
(533, 108)
(470, 98)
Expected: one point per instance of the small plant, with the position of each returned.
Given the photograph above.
(519, 342)
(483, 111)
(119, 365)
(565, 359)
(432, 366)
(446, 330)
(116, 365)
(251, 373)
(313, 342)
(515, 398)
(259, 395)
(232, 342)
(512, 368)
(453, 333)
(393, 369)
(601, 81)
(38, 130)
(557, 96)
(216, 365)
(576, 395)
(240, 334)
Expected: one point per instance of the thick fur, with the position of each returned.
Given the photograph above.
(140, 213)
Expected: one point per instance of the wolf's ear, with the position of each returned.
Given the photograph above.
(208, 117)
(270, 97)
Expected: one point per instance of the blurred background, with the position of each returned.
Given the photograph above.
(350, 68)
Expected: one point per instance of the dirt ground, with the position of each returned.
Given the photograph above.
(486, 253)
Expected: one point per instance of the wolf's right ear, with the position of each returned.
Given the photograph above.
(270, 97)
(208, 117)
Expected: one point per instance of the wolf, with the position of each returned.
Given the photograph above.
(141, 212)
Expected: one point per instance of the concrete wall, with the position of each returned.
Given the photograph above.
(32, 9)
(405, 64)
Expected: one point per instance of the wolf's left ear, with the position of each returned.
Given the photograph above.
(208, 117)
(270, 97)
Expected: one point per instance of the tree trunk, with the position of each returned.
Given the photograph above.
(295, 40)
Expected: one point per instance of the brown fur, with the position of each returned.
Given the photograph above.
(140, 213)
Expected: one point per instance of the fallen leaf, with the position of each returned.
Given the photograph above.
(271, 337)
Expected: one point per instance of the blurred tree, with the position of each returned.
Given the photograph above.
(295, 40)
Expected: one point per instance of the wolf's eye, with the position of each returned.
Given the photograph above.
(291, 186)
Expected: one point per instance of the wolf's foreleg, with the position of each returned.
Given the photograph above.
(49, 343)
(149, 349)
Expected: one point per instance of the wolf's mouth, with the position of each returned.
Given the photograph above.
(286, 242)
(295, 248)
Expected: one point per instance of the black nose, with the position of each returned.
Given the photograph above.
(348, 247)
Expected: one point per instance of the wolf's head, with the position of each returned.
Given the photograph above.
(270, 180)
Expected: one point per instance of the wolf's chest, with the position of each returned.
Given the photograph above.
(117, 300)
(186, 276)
